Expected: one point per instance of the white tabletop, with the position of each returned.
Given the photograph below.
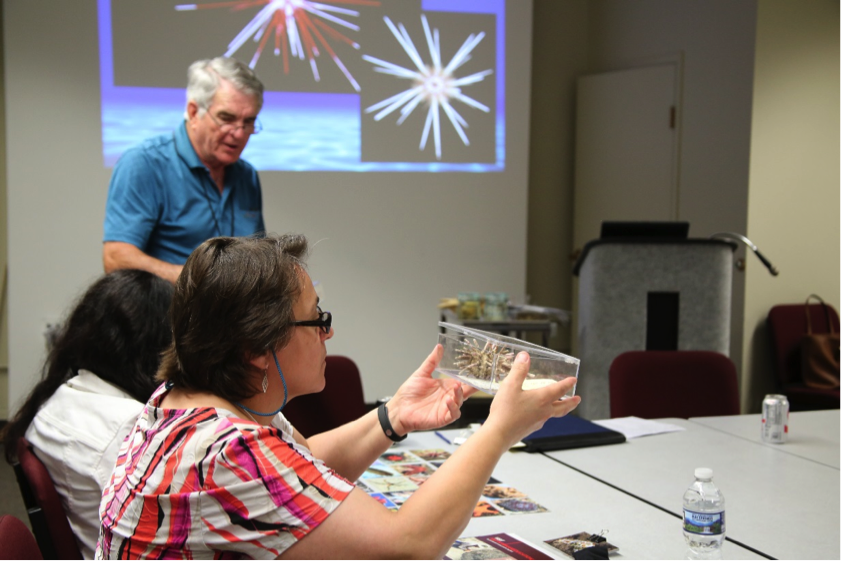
(578, 503)
(811, 434)
(780, 504)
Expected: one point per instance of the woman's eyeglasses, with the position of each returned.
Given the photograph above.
(324, 321)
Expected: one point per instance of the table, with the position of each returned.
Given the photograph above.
(780, 504)
(577, 502)
(813, 435)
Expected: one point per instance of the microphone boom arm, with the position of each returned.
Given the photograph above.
(739, 237)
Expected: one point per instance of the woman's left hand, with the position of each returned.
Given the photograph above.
(424, 402)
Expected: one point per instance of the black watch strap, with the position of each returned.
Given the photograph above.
(382, 413)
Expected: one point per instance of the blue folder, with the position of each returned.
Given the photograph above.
(560, 433)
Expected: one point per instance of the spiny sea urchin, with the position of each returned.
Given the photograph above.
(478, 362)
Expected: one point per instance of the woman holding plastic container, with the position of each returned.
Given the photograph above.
(213, 468)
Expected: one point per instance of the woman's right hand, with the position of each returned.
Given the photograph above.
(516, 413)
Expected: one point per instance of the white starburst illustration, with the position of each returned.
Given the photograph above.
(434, 84)
(297, 19)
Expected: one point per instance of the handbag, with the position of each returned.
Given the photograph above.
(819, 353)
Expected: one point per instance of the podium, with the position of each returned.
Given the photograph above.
(648, 294)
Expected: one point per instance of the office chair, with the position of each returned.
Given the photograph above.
(43, 505)
(340, 402)
(786, 326)
(684, 384)
(18, 542)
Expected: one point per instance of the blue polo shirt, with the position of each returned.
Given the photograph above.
(162, 199)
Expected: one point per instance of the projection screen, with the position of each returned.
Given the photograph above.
(352, 85)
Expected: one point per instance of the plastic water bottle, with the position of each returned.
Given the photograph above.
(703, 515)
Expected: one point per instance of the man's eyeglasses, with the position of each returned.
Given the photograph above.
(324, 321)
(248, 127)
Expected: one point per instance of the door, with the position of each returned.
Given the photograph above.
(626, 152)
(625, 148)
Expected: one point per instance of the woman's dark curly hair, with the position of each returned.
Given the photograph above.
(233, 300)
(117, 330)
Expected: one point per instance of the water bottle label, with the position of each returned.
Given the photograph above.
(704, 523)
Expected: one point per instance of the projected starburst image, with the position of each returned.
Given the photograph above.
(436, 85)
(299, 27)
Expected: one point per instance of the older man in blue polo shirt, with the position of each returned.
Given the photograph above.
(174, 191)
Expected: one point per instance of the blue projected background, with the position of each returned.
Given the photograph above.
(357, 85)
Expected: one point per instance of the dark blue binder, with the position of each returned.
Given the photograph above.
(560, 433)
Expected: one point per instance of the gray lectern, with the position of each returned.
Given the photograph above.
(648, 294)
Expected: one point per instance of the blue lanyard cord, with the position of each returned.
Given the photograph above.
(285, 394)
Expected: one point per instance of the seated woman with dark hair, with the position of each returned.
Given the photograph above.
(98, 375)
(213, 470)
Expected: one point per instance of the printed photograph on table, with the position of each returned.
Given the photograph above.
(378, 469)
(495, 546)
(418, 479)
(582, 540)
(409, 470)
(393, 457)
(519, 506)
(501, 492)
(432, 455)
(484, 508)
(390, 484)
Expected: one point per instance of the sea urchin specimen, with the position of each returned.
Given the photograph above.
(478, 361)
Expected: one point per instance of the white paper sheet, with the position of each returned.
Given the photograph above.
(634, 427)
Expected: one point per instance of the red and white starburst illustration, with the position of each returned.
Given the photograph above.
(303, 22)
(434, 84)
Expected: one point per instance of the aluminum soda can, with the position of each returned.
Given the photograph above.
(775, 419)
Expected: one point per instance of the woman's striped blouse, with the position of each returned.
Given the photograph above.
(202, 483)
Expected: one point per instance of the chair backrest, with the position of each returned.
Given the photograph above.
(787, 325)
(340, 402)
(16, 539)
(684, 384)
(43, 504)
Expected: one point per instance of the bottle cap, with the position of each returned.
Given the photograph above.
(703, 473)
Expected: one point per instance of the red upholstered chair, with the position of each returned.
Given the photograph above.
(684, 384)
(16, 539)
(340, 402)
(787, 325)
(43, 504)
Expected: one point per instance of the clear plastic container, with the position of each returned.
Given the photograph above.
(703, 515)
(483, 360)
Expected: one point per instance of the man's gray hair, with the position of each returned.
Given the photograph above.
(203, 78)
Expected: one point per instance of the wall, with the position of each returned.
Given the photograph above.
(715, 40)
(56, 182)
(389, 245)
(559, 56)
(4, 306)
(794, 177)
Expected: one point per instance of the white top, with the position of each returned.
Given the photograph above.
(77, 434)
